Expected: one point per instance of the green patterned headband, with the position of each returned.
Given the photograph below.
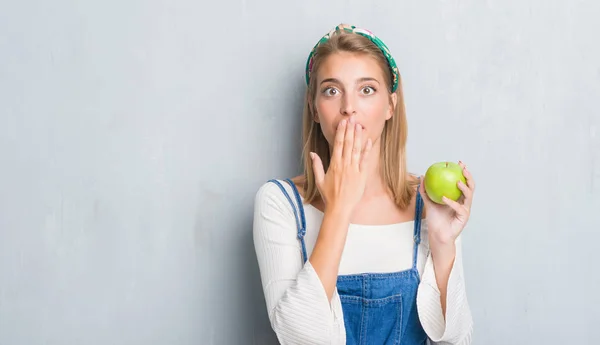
(363, 32)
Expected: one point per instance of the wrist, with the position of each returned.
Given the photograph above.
(439, 239)
(444, 251)
(338, 212)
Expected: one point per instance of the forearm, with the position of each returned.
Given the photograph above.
(443, 255)
(327, 253)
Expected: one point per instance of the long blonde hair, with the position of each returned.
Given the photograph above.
(393, 138)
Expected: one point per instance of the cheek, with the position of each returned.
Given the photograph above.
(375, 113)
(327, 119)
(328, 131)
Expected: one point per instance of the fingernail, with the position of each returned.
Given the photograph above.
(312, 155)
(351, 120)
(343, 122)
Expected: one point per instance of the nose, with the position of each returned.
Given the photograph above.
(347, 107)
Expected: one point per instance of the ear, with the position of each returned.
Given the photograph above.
(392, 107)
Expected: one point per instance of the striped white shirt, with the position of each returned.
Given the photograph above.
(297, 304)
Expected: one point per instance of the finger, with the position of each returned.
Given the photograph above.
(467, 193)
(318, 170)
(338, 145)
(364, 159)
(348, 142)
(470, 180)
(357, 146)
(461, 210)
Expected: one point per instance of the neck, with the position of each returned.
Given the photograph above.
(375, 184)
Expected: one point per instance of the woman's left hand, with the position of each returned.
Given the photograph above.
(446, 222)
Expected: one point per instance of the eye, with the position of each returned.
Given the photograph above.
(330, 91)
(368, 90)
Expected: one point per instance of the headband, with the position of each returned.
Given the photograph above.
(363, 32)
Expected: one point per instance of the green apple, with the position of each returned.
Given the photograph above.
(441, 180)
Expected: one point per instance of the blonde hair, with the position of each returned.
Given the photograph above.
(394, 135)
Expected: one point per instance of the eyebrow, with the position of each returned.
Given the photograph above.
(361, 80)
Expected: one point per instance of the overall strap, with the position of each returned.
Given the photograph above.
(298, 209)
(417, 230)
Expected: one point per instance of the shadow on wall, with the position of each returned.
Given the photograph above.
(262, 332)
(289, 166)
(232, 304)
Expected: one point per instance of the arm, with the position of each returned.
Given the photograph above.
(298, 307)
(444, 311)
(341, 189)
(442, 300)
(303, 305)
(327, 254)
(443, 256)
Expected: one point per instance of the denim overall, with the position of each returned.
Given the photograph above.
(378, 308)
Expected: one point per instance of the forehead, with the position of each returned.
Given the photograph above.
(349, 66)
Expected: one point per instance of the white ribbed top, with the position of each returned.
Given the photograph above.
(296, 300)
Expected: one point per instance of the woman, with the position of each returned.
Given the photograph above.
(353, 251)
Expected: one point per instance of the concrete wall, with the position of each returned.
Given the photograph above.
(134, 134)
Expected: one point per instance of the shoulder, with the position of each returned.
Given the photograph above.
(414, 182)
(275, 210)
(276, 195)
(278, 188)
(413, 179)
(271, 190)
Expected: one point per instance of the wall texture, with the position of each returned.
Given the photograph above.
(134, 134)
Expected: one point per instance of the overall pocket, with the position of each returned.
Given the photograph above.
(372, 321)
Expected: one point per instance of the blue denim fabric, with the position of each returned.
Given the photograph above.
(378, 308)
